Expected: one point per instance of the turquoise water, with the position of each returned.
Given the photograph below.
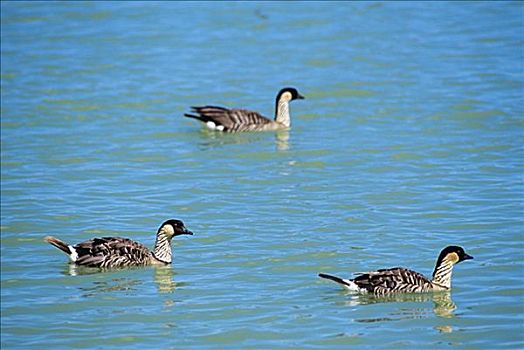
(410, 139)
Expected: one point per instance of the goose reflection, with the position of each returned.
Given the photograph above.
(282, 140)
(211, 139)
(121, 285)
(162, 277)
(77, 270)
(443, 306)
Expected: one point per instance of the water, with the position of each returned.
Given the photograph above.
(410, 139)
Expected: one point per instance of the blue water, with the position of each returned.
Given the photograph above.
(410, 139)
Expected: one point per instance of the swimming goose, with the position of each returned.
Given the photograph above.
(233, 120)
(401, 280)
(111, 252)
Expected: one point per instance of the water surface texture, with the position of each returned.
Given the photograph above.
(410, 139)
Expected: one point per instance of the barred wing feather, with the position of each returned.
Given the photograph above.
(393, 280)
(231, 119)
(111, 252)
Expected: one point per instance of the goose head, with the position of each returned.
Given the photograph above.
(454, 254)
(172, 228)
(289, 94)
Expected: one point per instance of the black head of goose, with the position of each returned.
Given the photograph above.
(235, 120)
(114, 252)
(402, 280)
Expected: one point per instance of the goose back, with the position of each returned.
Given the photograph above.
(394, 280)
(232, 120)
(109, 252)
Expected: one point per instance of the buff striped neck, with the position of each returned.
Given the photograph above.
(443, 271)
(162, 249)
(282, 113)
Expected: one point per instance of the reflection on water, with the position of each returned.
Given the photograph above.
(444, 329)
(211, 139)
(76, 270)
(165, 284)
(443, 306)
(282, 137)
(123, 284)
(164, 279)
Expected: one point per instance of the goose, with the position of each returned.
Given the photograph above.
(402, 280)
(234, 120)
(114, 252)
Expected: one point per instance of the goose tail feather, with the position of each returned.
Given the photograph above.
(344, 282)
(63, 246)
(187, 115)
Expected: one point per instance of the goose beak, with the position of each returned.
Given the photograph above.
(467, 257)
(300, 97)
(183, 231)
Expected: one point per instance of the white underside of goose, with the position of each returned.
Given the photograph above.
(352, 286)
(211, 125)
(74, 255)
